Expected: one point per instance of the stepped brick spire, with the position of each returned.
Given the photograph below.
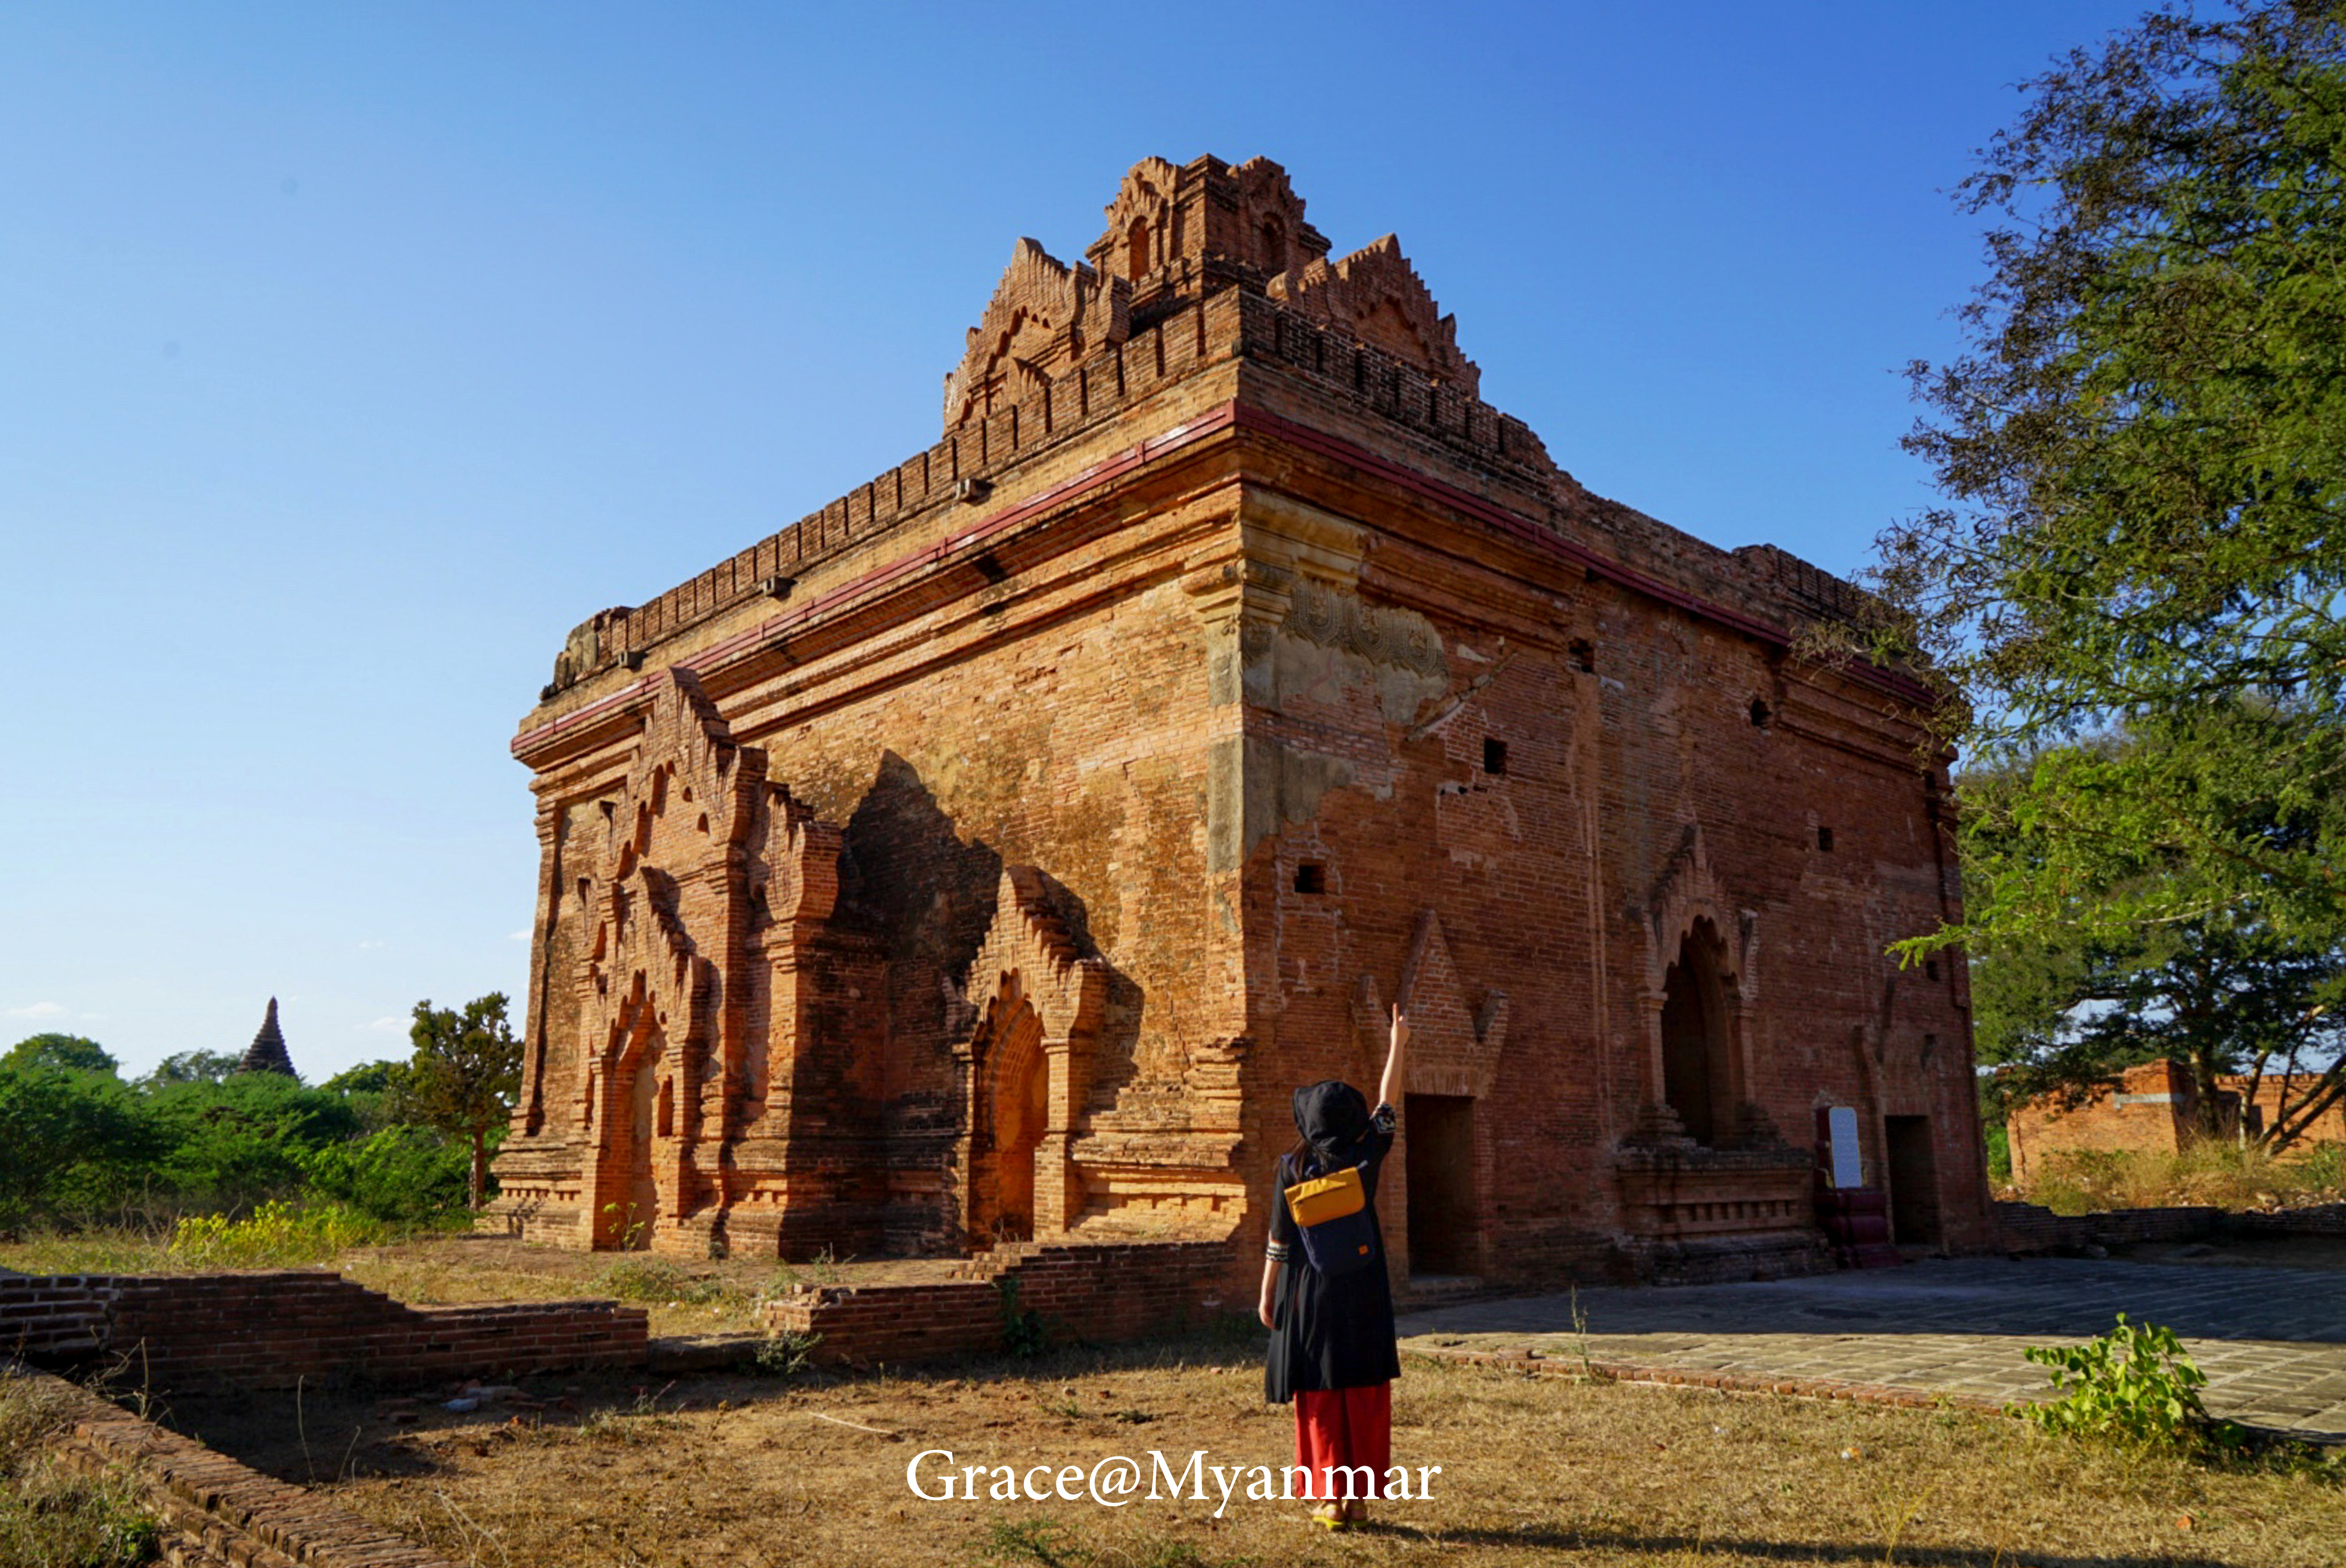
(267, 1052)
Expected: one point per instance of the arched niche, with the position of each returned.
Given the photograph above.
(1013, 1112)
(1701, 982)
(630, 1201)
(1027, 1068)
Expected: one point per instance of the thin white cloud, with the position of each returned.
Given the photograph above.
(387, 1026)
(38, 1010)
(521, 936)
(370, 946)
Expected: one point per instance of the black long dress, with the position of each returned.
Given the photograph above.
(1331, 1333)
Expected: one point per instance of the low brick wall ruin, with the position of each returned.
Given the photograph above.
(1100, 1293)
(269, 1330)
(210, 1511)
(2031, 1227)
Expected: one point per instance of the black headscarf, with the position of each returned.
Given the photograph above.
(1335, 1120)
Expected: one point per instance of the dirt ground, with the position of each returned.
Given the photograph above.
(724, 1470)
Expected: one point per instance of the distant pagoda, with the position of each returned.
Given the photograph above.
(267, 1052)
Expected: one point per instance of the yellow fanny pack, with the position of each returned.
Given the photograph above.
(1327, 1197)
(1332, 1220)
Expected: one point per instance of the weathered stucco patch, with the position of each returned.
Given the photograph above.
(1254, 787)
(1331, 641)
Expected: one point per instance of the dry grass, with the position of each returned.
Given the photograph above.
(2210, 1172)
(443, 1270)
(724, 1472)
(51, 1515)
(90, 1252)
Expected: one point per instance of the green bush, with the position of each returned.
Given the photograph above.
(1999, 1154)
(2320, 1173)
(1024, 1332)
(399, 1174)
(71, 1142)
(275, 1235)
(243, 1141)
(786, 1354)
(2133, 1387)
(81, 1150)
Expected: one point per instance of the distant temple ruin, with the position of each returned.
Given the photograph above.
(267, 1054)
(2155, 1107)
(986, 855)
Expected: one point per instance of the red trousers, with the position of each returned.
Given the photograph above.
(1344, 1427)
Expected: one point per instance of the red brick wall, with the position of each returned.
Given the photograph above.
(54, 1317)
(1099, 1294)
(269, 1330)
(2029, 1227)
(2151, 1111)
(2265, 1109)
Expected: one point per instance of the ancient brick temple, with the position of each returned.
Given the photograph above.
(986, 855)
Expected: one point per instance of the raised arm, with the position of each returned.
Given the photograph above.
(1390, 1087)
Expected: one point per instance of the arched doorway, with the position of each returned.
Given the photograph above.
(643, 1105)
(1025, 1070)
(1698, 1076)
(1014, 1112)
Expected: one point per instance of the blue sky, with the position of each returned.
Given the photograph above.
(350, 354)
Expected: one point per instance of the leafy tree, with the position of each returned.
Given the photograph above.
(71, 1142)
(369, 1078)
(191, 1067)
(399, 1174)
(240, 1142)
(378, 1091)
(2221, 998)
(465, 1073)
(70, 1051)
(2144, 447)
(2224, 991)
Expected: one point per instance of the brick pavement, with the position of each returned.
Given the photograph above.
(2271, 1340)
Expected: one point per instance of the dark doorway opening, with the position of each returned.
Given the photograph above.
(1687, 1050)
(1443, 1237)
(1702, 1080)
(1914, 1181)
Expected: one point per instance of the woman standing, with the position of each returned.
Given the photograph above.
(1331, 1336)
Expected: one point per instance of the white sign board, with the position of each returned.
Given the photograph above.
(1840, 1122)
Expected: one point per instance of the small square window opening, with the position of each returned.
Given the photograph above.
(1495, 756)
(1310, 877)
